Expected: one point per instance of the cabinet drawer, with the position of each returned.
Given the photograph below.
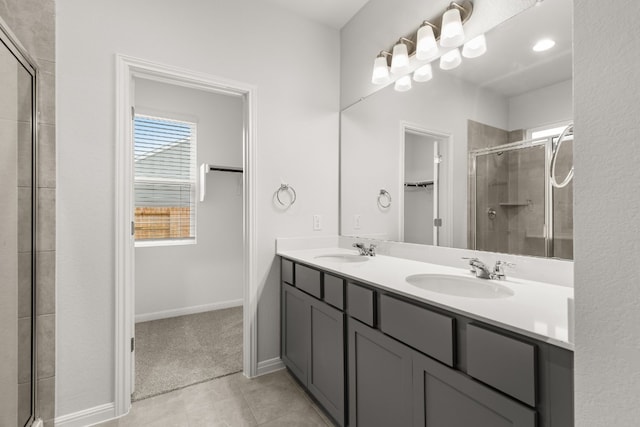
(308, 280)
(360, 303)
(286, 268)
(502, 362)
(334, 291)
(429, 332)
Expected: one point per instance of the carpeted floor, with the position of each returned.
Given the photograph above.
(180, 351)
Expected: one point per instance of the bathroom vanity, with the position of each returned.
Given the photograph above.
(375, 350)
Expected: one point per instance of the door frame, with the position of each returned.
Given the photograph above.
(444, 141)
(127, 68)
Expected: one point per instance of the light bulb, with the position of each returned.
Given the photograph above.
(452, 34)
(427, 48)
(423, 74)
(403, 84)
(475, 47)
(380, 75)
(544, 44)
(451, 59)
(400, 59)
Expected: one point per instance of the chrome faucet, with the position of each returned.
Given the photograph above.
(370, 251)
(481, 271)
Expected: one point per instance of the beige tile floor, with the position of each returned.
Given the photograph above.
(270, 400)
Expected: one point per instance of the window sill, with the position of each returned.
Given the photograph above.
(156, 243)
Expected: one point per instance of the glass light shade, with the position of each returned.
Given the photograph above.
(450, 60)
(452, 34)
(403, 84)
(423, 74)
(427, 48)
(544, 44)
(400, 59)
(475, 47)
(380, 73)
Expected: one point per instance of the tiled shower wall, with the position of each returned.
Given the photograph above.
(33, 23)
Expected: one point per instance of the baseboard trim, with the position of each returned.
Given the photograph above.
(268, 366)
(87, 417)
(187, 310)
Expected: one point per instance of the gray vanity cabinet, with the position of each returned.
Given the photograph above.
(407, 363)
(326, 362)
(312, 347)
(443, 397)
(380, 384)
(295, 325)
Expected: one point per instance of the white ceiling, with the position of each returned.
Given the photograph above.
(334, 13)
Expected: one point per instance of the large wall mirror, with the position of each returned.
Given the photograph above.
(464, 159)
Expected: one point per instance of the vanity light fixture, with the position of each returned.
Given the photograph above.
(450, 60)
(423, 44)
(452, 34)
(400, 58)
(403, 84)
(426, 46)
(475, 47)
(423, 74)
(544, 44)
(380, 74)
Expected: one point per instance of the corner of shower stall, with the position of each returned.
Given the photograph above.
(18, 197)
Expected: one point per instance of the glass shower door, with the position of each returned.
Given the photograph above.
(17, 271)
(508, 210)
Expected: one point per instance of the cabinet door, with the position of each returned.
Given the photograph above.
(379, 379)
(295, 331)
(326, 363)
(447, 398)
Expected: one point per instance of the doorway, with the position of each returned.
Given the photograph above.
(188, 236)
(424, 179)
(130, 70)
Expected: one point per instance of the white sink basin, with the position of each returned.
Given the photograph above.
(459, 286)
(343, 258)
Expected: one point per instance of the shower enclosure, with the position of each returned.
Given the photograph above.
(17, 233)
(514, 208)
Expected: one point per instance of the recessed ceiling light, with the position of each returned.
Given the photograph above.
(544, 44)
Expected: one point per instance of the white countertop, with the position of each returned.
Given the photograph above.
(538, 310)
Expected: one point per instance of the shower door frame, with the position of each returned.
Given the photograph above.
(8, 39)
(547, 143)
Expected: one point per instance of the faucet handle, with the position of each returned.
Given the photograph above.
(498, 270)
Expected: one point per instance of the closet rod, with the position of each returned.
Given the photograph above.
(225, 168)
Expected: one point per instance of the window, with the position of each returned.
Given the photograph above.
(547, 131)
(165, 181)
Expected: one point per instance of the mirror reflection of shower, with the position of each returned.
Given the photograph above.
(514, 206)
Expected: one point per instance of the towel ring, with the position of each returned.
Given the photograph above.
(289, 189)
(382, 197)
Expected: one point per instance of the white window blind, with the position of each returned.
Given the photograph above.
(165, 180)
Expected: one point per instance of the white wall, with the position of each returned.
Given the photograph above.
(174, 280)
(380, 23)
(607, 213)
(548, 105)
(370, 148)
(295, 65)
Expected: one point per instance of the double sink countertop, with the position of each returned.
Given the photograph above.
(539, 310)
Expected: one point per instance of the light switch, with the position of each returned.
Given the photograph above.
(317, 222)
(356, 222)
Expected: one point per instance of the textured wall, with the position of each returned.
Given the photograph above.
(607, 212)
(33, 23)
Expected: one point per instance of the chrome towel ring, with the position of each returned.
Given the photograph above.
(568, 131)
(289, 189)
(384, 199)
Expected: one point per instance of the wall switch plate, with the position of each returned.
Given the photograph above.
(317, 222)
(356, 222)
